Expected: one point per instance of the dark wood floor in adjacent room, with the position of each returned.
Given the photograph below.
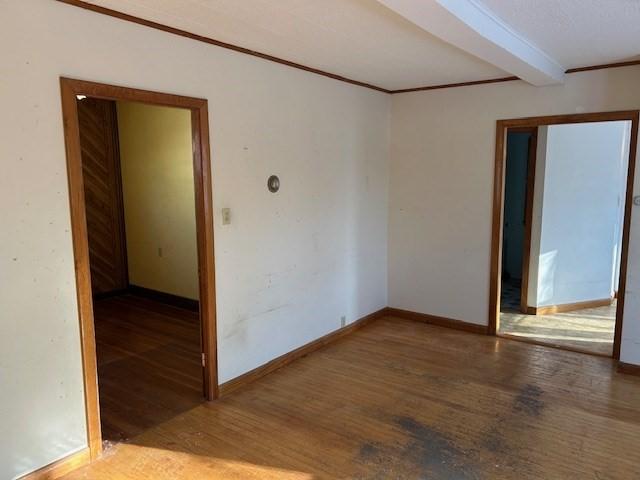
(404, 400)
(149, 367)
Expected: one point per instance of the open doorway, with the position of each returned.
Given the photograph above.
(561, 219)
(516, 229)
(142, 229)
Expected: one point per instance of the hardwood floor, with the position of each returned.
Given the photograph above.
(590, 330)
(149, 367)
(404, 400)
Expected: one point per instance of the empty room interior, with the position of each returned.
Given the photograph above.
(336, 239)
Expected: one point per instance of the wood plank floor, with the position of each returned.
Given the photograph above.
(404, 400)
(149, 366)
(589, 330)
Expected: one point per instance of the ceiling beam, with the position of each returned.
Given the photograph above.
(472, 27)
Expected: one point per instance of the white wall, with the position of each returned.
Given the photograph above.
(441, 183)
(581, 196)
(288, 266)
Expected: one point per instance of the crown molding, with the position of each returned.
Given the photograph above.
(199, 38)
(212, 41)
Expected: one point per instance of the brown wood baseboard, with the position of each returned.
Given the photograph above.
(629, 368)
(166, 298)
(111, 294)
(569, 307)
(60, 467)
(281, 361)
(439, 321)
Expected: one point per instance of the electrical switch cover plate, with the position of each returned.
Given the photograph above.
(226, 216)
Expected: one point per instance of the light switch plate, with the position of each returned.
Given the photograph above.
(226, 216)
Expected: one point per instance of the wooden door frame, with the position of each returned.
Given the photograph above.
(70, 88)
(502, 126)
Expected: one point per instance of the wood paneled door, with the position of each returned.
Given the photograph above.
(98, 123)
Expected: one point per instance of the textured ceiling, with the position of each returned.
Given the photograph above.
(576, 33)
(363, 40)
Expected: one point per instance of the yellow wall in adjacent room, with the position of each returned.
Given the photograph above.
(158, 189)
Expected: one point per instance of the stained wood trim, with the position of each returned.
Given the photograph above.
(455, 85)
(439, 321)
(204, 230)
(603, 66)
(217, 43)
(528, 217)
(629, 368)
(111, 294)
(498, 197)
(568, 307)
(496, 229)
(259, 372)
(528, 122)
(281, 361)
(81, 256)
(164, 297)
(116, 92)
(200, 38)
(512, 78)
(60, 467)
(624, 257)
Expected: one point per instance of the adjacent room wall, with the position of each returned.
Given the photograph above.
(156, 159)
(289, 265)
(581, 197)
(441, 184)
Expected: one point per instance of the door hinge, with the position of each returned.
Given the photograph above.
(203, 359)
